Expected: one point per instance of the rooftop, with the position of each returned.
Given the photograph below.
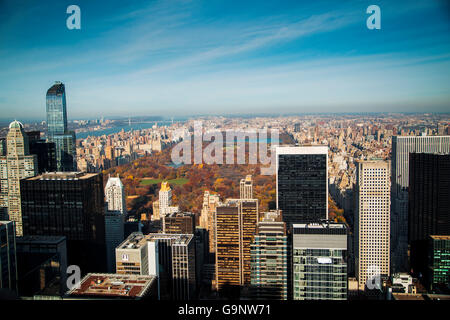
(63, 176)
(112, 285)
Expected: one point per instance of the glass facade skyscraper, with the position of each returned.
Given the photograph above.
(319, 261)
(57, 131)
(302, 183)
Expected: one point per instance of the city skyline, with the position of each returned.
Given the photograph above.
(165, 58)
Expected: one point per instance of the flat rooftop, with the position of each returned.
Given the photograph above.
(136, 240)
(63, 176)
(111, 285)
(176, 238)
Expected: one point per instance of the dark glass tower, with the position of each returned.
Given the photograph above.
(428, 204)
(302, 184)
(57, 128)
(56, 109)
(70, 205)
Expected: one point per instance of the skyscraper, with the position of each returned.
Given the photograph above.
(438, 273)
(8, 266)
(16, 165)
(428, 204)
(165, 200)
(235, 228)
(402, 146)
(57, 131)
(114, 218)
(115, 195)
(246, 188)
(208, 213)
(68, 204)
(302, 183)
(319, 253)
(372, 221)
(171, 257)
(269, 259)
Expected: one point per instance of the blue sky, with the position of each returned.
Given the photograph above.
(222, 57)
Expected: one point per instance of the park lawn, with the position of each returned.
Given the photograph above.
(180, 181)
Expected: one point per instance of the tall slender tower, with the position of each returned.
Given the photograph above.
(114, 218)
(246, 188)
(372, 222)
(269, 258)
(57, 128)
(17, 164)
(235, 229)
(210, 203)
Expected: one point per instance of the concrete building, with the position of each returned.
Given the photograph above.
(269, 259)
(114, 218)
(114, 286)
(207, 216)
(319, 255)
(165, 200)
(17, 164)
(235, 225)
(246, 188)
(169, 257)
(372, 222)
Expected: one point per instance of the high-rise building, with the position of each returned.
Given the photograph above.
(114, 218)
(302, 183)
(16, 165)
(8, 264)
(438, 273)
(235, 229)
(42, 262)
(165, 200)
(372, 222)
(246, 188)
(44, 151)
(210, 203)
(68, 204)
(115, 195)
(179, 223)
(269, 259)
(170, 257)
(428, 204)
(319, 255)
(402, 146)
(57, 130)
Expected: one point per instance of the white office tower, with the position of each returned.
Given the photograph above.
(402, 146)
(115, 195)
(372, 223)
(165, 200)
(246, 188)
(114, 218)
